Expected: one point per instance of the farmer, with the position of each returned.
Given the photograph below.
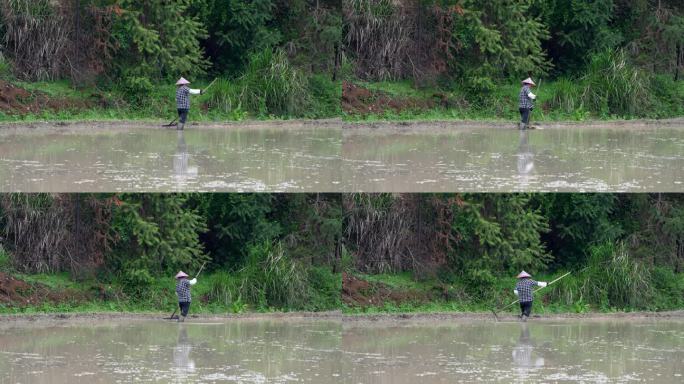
(523, 289)
(183, 93)
(525, 102)
(183, 292)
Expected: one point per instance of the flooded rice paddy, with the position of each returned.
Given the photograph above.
(501, 160)
(335, 157)
(325, 351)
(289, 159)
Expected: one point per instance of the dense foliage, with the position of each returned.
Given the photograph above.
(497, 39)
(284, 58)
(603, 58)
(623, 249)
(287, 251)
(264, 250)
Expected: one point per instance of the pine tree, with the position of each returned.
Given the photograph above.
(159, 38)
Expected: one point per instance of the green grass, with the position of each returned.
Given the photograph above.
(160, 296)
(558, 298)
(399, 281)
(215, 293)
(559, 100)
(160, 104)
(403, 88)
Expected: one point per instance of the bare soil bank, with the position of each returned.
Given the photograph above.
(422, 126)
(335, 315)
(110, 125)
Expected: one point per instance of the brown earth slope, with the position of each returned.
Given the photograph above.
(16, 292)
(15, 100)
(359, 100)
(357, 292)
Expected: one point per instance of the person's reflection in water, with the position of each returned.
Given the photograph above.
(183, 364)
(181, 169)
(525, 157)
(524, 349)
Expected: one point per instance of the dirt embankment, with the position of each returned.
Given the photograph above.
(361, 293)
(359, 100)
(383, 318)
(19, 293)
(19, 101)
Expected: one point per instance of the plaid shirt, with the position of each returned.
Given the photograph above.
(524, 287)
(183, 97)
(183, 291)
(524, 100)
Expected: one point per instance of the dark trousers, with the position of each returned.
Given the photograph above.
(182, 115)
(184, 307)
(525, 115)
(526, 308)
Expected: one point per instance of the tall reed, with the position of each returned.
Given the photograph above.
(613, 86)
(612, 279)
(271, 278)
(566, 96)
(272, 86)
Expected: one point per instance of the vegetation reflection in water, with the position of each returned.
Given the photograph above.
(255, 351)
(588, 351)
(569, 159)
(333, 160)
(163, 160)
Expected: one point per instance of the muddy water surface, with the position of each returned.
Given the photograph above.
(564, 351)
(154, 159)
(393, 159)
(278, 351)
(168, 352)
(335, 157)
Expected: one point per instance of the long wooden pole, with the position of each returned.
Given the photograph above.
(210, 84)
(200, 270)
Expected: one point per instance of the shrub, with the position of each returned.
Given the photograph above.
(272, 86)
(224, 95)
(612, 279)
(325, 289)
(224, 289)
(566, 96)
(325, 97)
(136, 90)
(5, 68)
(479, 282)
(668, 96)
(136, 280)
(272, 279)
(5, 261)
(669, 289)
(613, 86)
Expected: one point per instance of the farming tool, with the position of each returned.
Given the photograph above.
(173, 315)
(172, 123)
(537, 290)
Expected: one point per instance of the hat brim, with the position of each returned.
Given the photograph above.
(182, 81)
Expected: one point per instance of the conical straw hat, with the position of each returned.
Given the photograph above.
(528, 81)
(181, 274)
(523, 274)
(182, 81)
